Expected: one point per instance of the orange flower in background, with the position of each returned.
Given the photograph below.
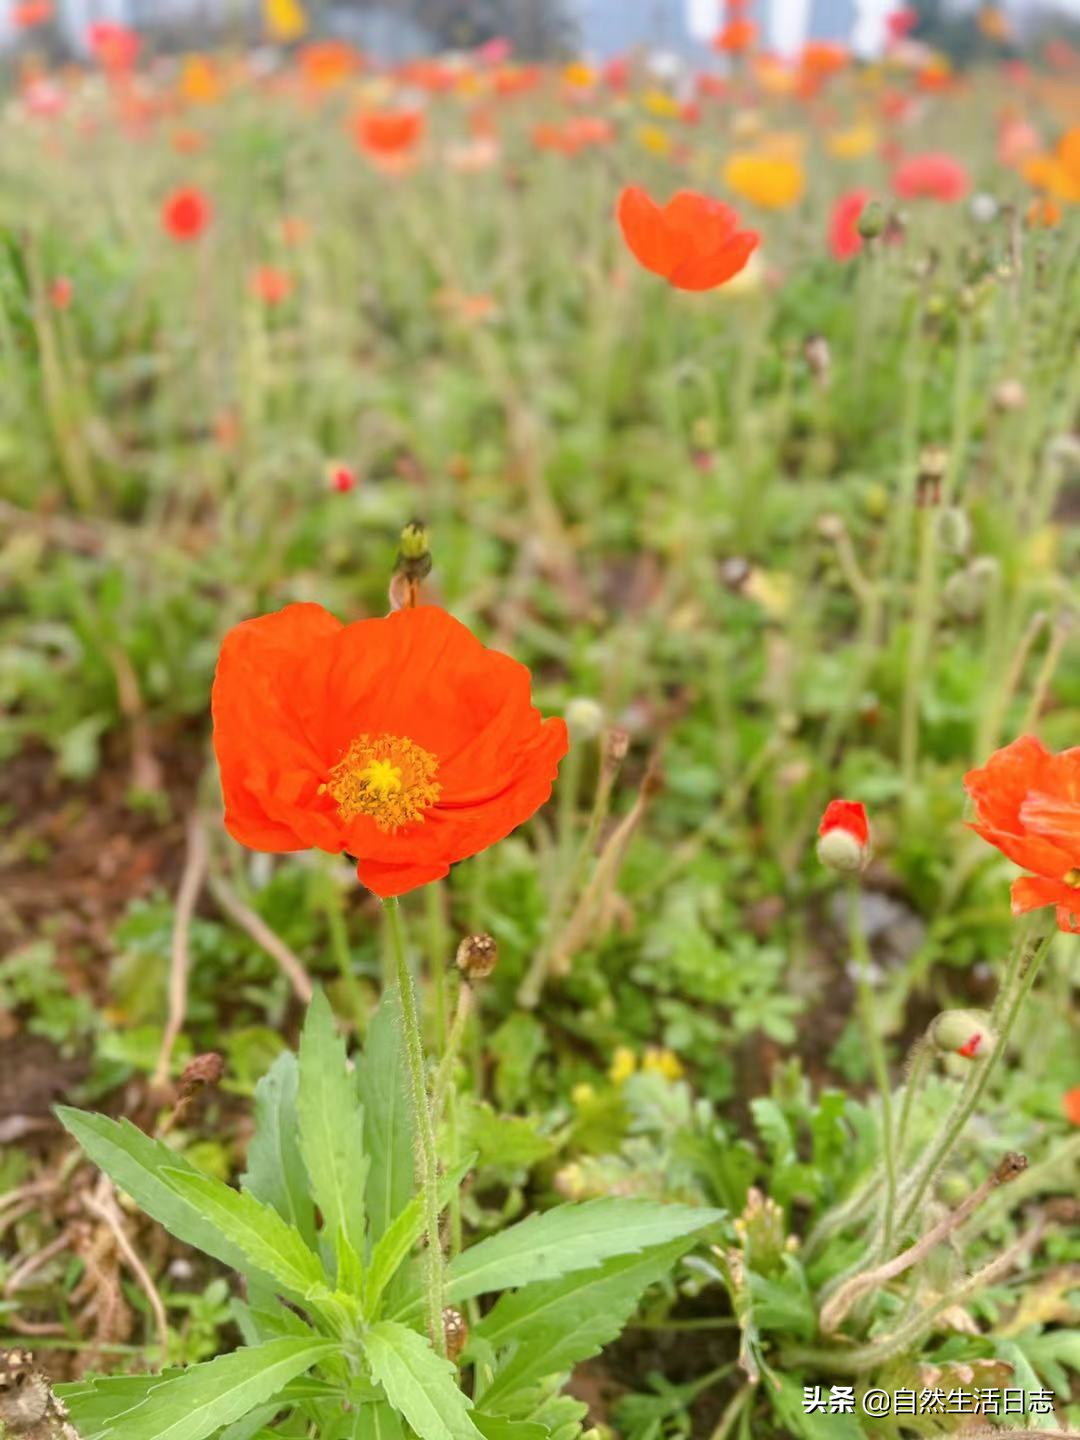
(736, 37)
(823, 58)
(693, 242)
(771, 181)
(385, 134)
(1027, 803)
(1059, 172)
(853, 143)
(1043, 214)
(200, 83)
(186, 141)
(326, 64)
(994, 24)
(401, 741)
(31, 13)
(185, 214)
(270, 285)
(933, 176)
(844, 238)
(1070, 1103)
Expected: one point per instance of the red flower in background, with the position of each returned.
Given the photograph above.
(271, 285)
(402, 741)
(901, 22)
(185, 214)
(844, 238)
(932, 176)
(388, 133)
(695, 243)
(1027, 803)
(114, 47)
(60, 293)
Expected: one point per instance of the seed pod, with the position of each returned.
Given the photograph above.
(476, 957)
(872, 220)
(455, 1332)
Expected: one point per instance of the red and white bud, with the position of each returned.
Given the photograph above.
(844, 836)
(964, 1033)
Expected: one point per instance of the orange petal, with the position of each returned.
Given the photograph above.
(708, 271)
(645, 232)
(1054, 819)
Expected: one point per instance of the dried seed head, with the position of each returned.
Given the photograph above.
(1011, 1166)
(24, 1393)
(455, 1331)
(616, 744)
(818, 357)
(203, 1070)
(476, 957)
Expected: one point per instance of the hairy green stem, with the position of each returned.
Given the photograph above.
(425, 1130)
(875, 1047)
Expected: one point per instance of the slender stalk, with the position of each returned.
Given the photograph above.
(919, 1068)
(876, 1050)
(1014, 992)
(428, 1161)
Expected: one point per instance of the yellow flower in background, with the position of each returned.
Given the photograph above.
(853, 143)
(658, 1061)
(579, 75)
(623, 1065)
(661, 104)
(771, 181)
(285, 20)
(774, 76)
(199, 81)
(582, 1094)
(773, 591)
(783, 144)
(654, 140)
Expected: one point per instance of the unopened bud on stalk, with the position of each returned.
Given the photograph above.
(477, 956)
(455, 1332)
(818, 357)
(616, 744)
(933, 463)
(953, 529)
(415, 543)
(413, 564)
(844, 836)
(962, 1032)
(1009, 395)
(584, 718)
(872, 220)
(965, 594)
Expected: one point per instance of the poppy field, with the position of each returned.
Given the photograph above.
(540, 723)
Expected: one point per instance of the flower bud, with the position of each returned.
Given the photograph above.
(415, 542)
(872, 220)
(1009, 395)
(476, 957)
(584, 718)
(984, 208)
(962, 1032)
(844, 836)
(455, 1332)
(965, 594)
(953, 529)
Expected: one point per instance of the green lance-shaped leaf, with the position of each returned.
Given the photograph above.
(389, 1131)
(143, 1168)
(569, 1238)
(557, 1323)
(276, 1173)
(267, 1242)
(399, 1238)
(204, 1398)
(498, 1427)
(420, 1385)
(332, 1138)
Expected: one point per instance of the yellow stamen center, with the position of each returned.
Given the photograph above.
(388, 777)
(1072, 877)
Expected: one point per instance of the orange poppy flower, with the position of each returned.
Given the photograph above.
(30, 13)
(695, 243)
(1027, 803)
(325, 64)
(1059, 172)
(388, 133)
(271, 285)
(402, 741)
(1070, 1103)
(736, 37)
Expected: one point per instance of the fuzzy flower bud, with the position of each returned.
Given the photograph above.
(844, 836)
(962, 1032)
(584, 718)
(477, 956)
(871, 221)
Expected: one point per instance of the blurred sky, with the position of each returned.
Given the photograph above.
(611, 26)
